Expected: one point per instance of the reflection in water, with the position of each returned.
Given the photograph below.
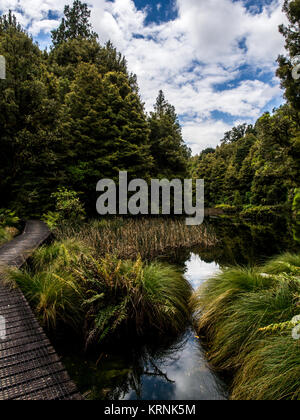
(197, 270)
(178, 370)
(169, 371)
(183, 376)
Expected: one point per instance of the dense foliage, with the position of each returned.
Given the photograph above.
(69, 285)
(73, 116)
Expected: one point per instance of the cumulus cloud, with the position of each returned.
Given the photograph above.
(216, 55)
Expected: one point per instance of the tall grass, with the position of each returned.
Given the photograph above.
(67, 283)
(149, 238)
(131, 295)
(54, 296)
(246, 316)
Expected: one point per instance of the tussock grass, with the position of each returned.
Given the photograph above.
(286, 263)
(55, 296)
(133, 295)
(67, 283)
(246, 316)
(59, 254)
(149, 237)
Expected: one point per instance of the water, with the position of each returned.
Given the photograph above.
(184, 373)
(178, 370)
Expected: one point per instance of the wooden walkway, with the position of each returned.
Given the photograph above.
(29, 366)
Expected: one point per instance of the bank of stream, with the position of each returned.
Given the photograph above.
(177, 368)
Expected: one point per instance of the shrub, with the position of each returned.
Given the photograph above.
(68, 209)
(8, 218)
(60, 254)
(7, 234)
(263, 212)
(228, 209)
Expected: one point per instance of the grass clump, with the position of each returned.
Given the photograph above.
(55, 297)
(67, 284)
(133, 296)
(59, 254)
(246, 315)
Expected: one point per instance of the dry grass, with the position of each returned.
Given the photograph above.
(149, 238)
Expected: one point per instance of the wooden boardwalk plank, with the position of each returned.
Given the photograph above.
(29, 366)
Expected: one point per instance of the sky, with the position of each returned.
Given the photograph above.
(215, 60)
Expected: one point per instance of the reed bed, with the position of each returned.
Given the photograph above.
(148, 238)
(246, 315)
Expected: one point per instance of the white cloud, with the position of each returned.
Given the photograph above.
(205, 46)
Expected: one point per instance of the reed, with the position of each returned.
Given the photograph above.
(147, 237)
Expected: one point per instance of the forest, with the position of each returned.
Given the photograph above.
(144, 308)
(72, 116)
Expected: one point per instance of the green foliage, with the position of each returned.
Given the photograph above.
(74, 24)
(130, 294)
(296, 205)
(8, 218)
(262, 212)
(247, 315)
(67, 285)
(55, 296)
(261, 168)
(6, 234)
(292, 44)
(167, 146)
(227, 208)
(59, 254)
(73, 116)
(68, 209)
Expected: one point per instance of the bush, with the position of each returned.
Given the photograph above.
(246, 315)
(227, 208)
(8, 218)
(263, 212)
(68, 209)
(67, 285)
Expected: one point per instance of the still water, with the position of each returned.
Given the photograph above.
(178, 370)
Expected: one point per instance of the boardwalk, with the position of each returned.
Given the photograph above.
(29, 366)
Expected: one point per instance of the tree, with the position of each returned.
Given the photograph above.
(167, 147)
(29, 141)
(75, 24)
(107, 130)
(237, 133)
(291, 34)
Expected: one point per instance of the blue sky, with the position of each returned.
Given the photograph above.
(214, 59)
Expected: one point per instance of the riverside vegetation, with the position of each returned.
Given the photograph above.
(84, 120)
(246, 315)
(103, 287)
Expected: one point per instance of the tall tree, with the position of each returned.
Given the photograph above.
(29, 141)
(291, 34)
(168, 149)
(75, 24)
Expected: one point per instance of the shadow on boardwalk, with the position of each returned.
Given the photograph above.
(29, 366)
